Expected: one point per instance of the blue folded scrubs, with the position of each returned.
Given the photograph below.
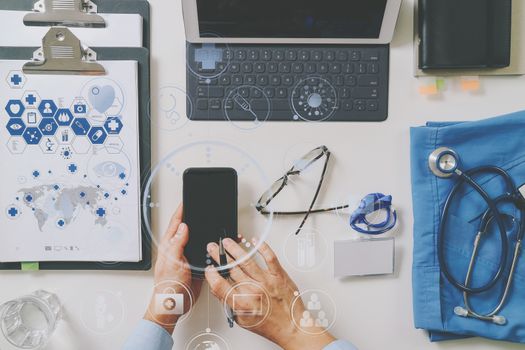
(497, 141)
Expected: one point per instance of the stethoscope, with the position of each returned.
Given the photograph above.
(444, 163)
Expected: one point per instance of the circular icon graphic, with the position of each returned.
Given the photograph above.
(113, 170)
(173, 303)
(313, 312)
(172, 108)
(208, 61)
(249, 301)
(207, 341)
(105, 98)
(314, 99)
(102, 312)
(160, 201)
(247, 107)
(305, 251)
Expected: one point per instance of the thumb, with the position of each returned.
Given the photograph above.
(179, 240)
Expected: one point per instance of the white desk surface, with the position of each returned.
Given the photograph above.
(374, 313)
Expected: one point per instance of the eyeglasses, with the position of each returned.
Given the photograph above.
(300, 166)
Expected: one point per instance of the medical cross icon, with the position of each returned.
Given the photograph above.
(101, 212)
(31, 99)
(208, 56)
(16, 79)
(12, 212)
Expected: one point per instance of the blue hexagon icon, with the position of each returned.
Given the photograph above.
(64, 117)
(48, 126)
(32, 136)
(15, 127)
(113, 125)
(97, 135)
(47, 108)
(15, 108)
(80, 126)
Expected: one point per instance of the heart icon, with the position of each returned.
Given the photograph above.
(101, 98)
(15, 108)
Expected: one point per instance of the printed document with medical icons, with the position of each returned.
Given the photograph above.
(70, 187)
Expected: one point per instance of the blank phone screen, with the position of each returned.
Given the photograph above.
(210, 209)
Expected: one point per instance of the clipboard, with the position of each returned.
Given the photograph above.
(141, 56)
(84, 16)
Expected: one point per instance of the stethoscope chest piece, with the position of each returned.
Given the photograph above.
(443, 162)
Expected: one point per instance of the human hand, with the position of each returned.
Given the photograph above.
(173, 274)
(249, 279)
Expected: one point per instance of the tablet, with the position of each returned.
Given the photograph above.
(291, 21)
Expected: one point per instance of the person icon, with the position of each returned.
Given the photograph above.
(321, 320)
(47, 108)
(314, 303)
(171, 112)
(307, 321)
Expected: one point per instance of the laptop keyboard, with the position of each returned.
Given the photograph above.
(260, 83)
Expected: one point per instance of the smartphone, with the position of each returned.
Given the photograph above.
(210, 210)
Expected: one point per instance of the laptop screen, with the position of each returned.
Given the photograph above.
(326, 19)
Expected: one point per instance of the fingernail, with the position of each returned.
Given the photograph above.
(228, 241)
(181, 229)
(211, 246)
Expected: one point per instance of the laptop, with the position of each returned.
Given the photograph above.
(288, 60)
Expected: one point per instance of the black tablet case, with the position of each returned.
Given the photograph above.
(464, 33)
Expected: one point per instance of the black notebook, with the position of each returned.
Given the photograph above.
(464, 33)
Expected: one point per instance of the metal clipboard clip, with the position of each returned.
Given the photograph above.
(62, 53)
(69, 13)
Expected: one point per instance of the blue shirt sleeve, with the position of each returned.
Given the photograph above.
(148, 335)
(340, 345)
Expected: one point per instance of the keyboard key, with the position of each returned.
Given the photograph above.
(372, 105)
(360, 105)
(221, 67)
(210, 91)
(373, 68)
(237, 79)
(335, 68)
(338, 80)
(370, 56)
(272, 67)
(310, 68)
(348, 68)
(235, 68)
(288, 80)
(348, 105)
(266, 55)
(280, 105)
(260, 67)
(269, 92)
(285, 67)
(275, 80)
(322, 68)
(253, 55)
(249, 79)
(361, 68)
(282, 92)
(240, 55)
(291, 55)
(304, 55)
(278, 55)
(355, 55)
(345, 92)
(247, 67)
(224, 80)
(363, 92)
(297, 67)
(228, 55)
(342, 56)
(228, 104)
(262, 80)
(202, 104)
(350, 80)
(317, 55)
(329, 55)
(215, 104)
(260, 105)
(257, 93)
(368, 80)
(244, 92)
